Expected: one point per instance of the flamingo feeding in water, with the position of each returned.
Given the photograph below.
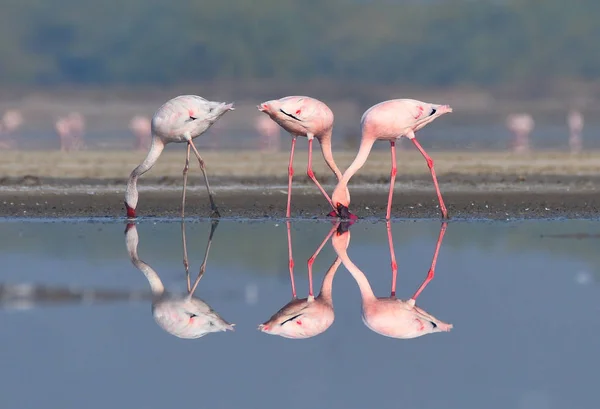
(304, 116)
(390, 316)
(180, 119)
(182, 316)
(305, 317)
(389, 121)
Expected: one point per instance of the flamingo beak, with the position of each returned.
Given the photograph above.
(345, 214)
(129, 227)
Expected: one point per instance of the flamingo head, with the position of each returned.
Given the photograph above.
(341, 201)
(130, 211)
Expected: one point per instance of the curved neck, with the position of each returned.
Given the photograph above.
(131, 194)
(366, 291)
(366, 144)
(327, 285)
(131, 241)
(328, 155)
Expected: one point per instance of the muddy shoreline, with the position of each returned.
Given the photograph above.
(487, 196)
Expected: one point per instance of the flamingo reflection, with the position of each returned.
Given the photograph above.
(390, 316)
(183, 316)
(305, 317)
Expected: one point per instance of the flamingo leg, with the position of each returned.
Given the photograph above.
(291, 258)
(311, 260)
(311, 174)
(433, 176)
(213, 228)
(392, 180)
(290, 174)
(431, 272)
(393, 259)
(213, 206)
(185, 176)
(186, 265)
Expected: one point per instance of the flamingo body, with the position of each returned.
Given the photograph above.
(304, 116)
(389, 121)
(180, 119)
(300, 318)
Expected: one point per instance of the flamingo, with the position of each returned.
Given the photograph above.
(305, 317)
(390, 316)
(521, 126)
(64, 134)
(389, 121)
(141, 128)
(181, 316)
(269, 132)
(304, 116)
(575, 122)
(180, 119)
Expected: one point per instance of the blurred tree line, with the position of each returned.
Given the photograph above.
(437, 43)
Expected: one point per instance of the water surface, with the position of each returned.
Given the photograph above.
(79, 330)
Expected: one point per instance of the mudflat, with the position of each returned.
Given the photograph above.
(254, 185)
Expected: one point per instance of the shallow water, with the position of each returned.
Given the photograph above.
(79, 330)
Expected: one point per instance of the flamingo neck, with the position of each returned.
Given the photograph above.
(156, 285)
(325, 143)
(327, 285)
(366, 292)
(131, 194)
(341, 193)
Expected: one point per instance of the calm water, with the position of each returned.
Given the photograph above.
(524, 305)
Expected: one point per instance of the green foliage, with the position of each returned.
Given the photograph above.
(435, 43)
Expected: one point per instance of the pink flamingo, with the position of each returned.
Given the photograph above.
(180, 119)
(141, 128)
(521, 126)
(575, 122)
(270, 138)
(64, 134)
(181, 316)
(305, 317)
(304, 116)
(10, 122)
(390, 316)
(389, 121)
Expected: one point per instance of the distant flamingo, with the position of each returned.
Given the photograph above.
(270, 138)
(304, 116)
(77, 129)
(389, 121)
(305, 317)
(182, 316)
(141, 128)
(180, 119)
(390, 316)
(11, 120)
(575, 122)
(521, 126)
(63, 130)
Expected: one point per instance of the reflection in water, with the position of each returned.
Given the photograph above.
(305, 317)
(390, 316)
(181, 315)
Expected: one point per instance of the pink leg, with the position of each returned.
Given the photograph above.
(435, 182)
(311, 260)
(392, 180)
(393, 257)
(431, 272)
(291, 258)
(290, 174)
(311, 174)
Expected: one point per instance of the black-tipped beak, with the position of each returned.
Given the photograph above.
(343, 227)
(345, 214)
